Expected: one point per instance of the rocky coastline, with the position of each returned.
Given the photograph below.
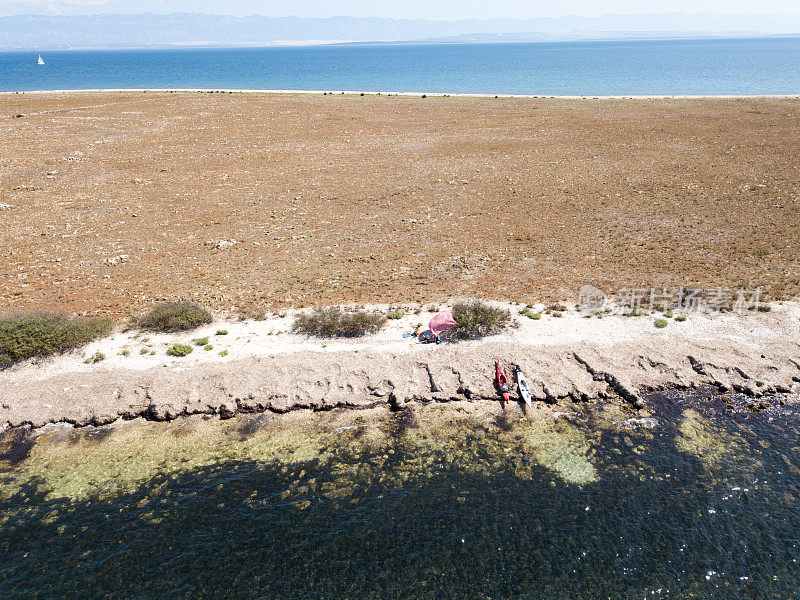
(566, 360)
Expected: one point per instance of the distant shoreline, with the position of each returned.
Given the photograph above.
(410, 94)
(436, 41)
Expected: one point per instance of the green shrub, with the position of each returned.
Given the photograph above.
(335, 322)
(144, 351)
(224, 353)
(532, 315)
(394, 315)
(222, 332)
(477, 319)
(125, 352)
(175, 316)
(557, 313)
(201, 341)
(95, 358)
(208, 347)
(26, 335)
(180, 350)
(668, 314)
(661, 323)
(680, 318)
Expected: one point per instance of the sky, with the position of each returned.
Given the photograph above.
(416, 9)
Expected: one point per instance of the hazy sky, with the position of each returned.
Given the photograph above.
(430, 9)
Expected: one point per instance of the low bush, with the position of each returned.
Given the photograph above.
(680, 318)
(203, 341)
(477, 319)
(532, 315)
(222, 332)
(180, 350)
(661, 323)
(335, 322)
(174, 316)
(394, 314)
(95, 358)
(28, 335)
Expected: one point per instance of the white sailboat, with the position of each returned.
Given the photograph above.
(41, 60)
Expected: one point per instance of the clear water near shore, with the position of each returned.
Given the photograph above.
(699, 502)
(662, 67)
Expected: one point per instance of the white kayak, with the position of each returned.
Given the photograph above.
(522, 384)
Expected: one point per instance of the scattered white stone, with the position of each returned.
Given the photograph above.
(116, 259)
(5, 206)
(647, 423)
(225, 244)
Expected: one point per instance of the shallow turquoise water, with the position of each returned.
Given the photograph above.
(711, 66)
(659, 522)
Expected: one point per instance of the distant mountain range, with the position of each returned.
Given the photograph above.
(192, 29)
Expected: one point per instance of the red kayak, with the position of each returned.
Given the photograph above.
(502, 380)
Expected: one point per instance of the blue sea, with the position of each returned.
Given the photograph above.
(695, 67)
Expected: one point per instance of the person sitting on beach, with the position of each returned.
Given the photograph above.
(423, 337)
(440, 321)
(427, 337)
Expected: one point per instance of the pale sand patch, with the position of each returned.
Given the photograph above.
(718, 450)
(564, 449)
(273, 336)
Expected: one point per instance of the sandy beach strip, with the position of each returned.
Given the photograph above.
(266, 368)
(435, 94)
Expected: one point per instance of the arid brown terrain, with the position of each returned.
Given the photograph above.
(111, 201)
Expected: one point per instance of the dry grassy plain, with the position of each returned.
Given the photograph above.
(344, 198)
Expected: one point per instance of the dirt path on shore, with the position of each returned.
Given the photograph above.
(572, 359)
(110, 201)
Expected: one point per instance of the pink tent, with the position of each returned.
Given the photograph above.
(441, 321)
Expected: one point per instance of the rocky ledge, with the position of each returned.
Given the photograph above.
(745, 361)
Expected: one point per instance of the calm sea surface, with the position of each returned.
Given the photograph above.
(718, 66)
(700, 503)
